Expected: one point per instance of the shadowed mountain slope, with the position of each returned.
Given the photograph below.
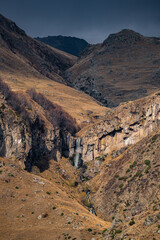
(70, 45)
(48, 61)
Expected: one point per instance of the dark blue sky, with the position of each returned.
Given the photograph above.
(92, 20)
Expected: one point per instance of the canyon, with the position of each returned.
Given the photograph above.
(70, 167)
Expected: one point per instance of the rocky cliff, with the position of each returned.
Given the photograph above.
(123, 126)
(27, 131)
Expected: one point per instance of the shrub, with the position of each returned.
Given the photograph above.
(147, 169)
(154, 138)
(89, 229)
(121, 186)
(127, 203)
(10, 175)
(123, 178)
(132, 222)
(115, 205)
(138, 174)
(154, 208)
(117, 231)
(147, 162)
(105, 230)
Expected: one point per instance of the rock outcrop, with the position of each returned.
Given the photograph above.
(124, 126)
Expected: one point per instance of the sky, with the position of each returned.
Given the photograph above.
(92, 20)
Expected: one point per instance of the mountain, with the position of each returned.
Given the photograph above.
(71, 168)
(70, 45)
(48, 61)
(123, 68)
(26, 63)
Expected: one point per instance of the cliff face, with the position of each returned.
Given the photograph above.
(124, 126)
(14, 135)
(33, 144)
(38, 142)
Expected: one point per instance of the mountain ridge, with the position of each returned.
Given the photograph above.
(72, 45)
(124, 67)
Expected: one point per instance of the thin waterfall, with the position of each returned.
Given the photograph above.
(77, 162)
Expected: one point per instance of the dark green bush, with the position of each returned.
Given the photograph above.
(132, 222)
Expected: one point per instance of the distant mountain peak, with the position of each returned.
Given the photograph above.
(123, 38)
